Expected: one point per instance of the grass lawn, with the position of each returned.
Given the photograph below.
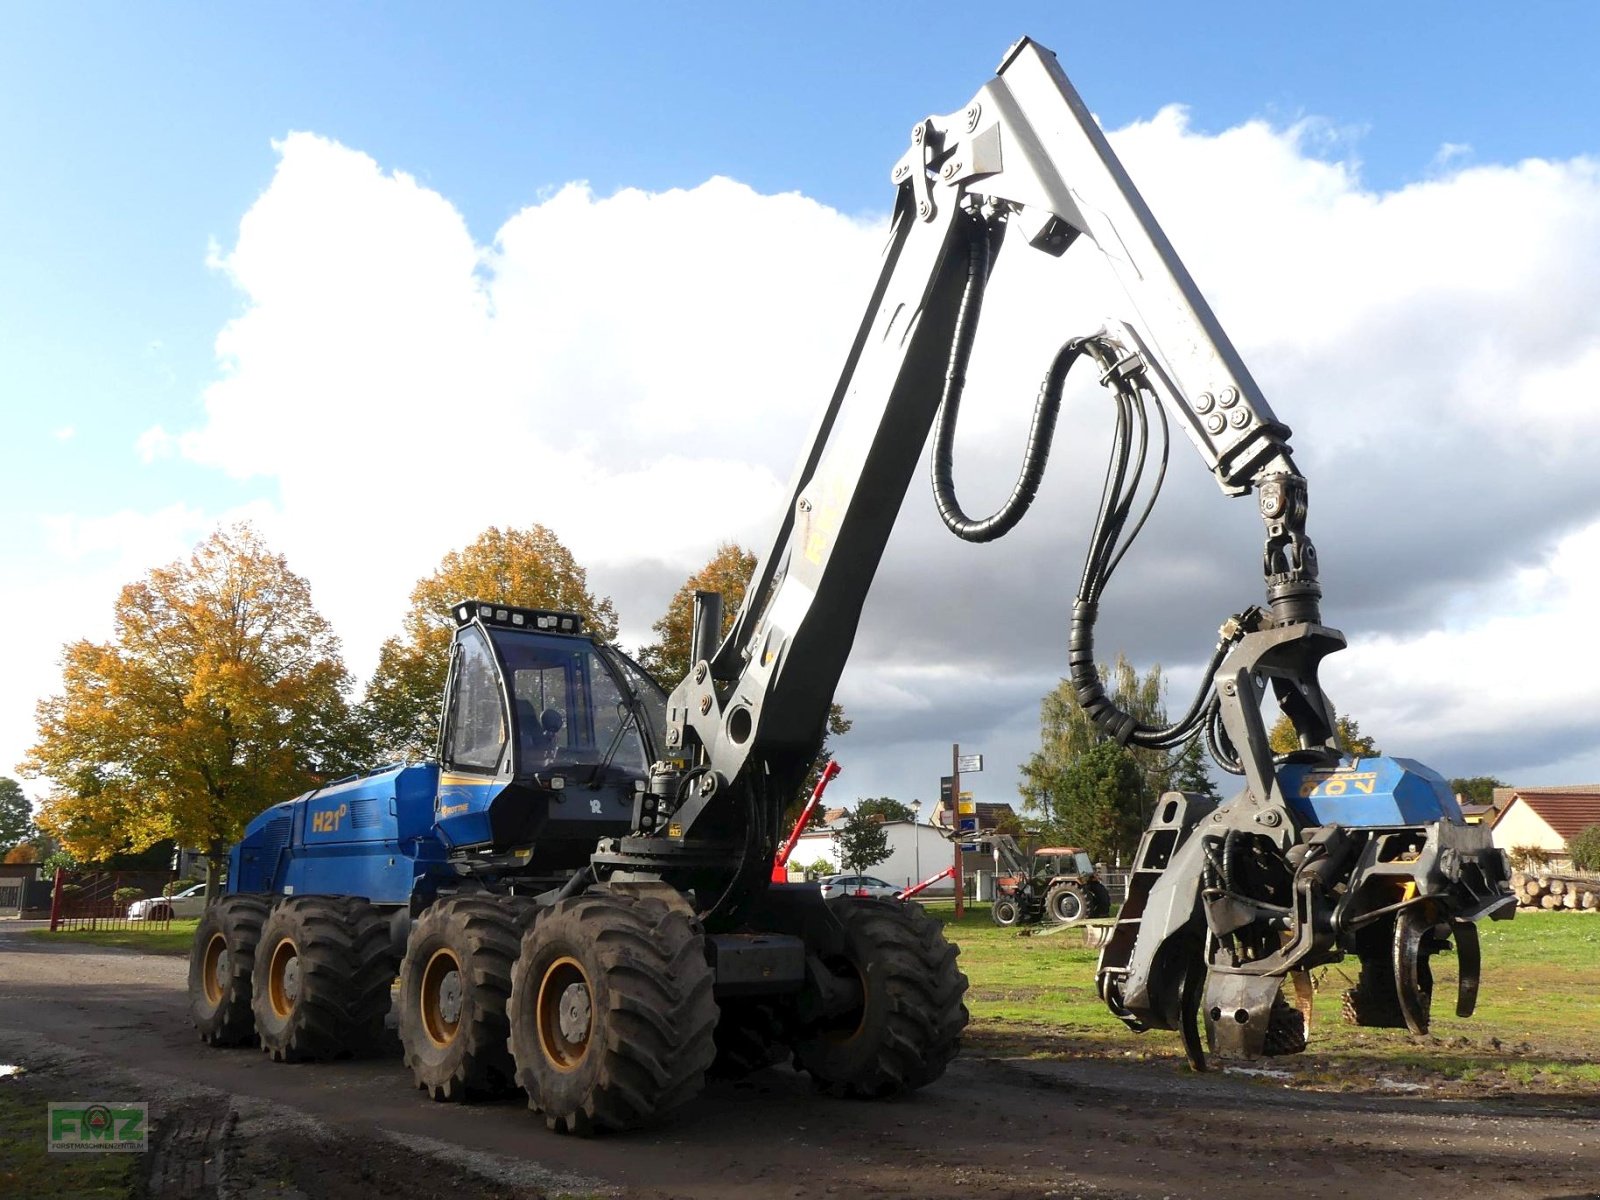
(28, 1169)
(174, 939)
(1537, 1025)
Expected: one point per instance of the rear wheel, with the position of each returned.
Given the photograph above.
(1005, 911)
(1066, 903)
(220, 966)
(611, 1012)
(454, 984)
(908, 1025)
(320, 988)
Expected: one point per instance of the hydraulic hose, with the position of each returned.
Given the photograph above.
(1123, 373)
(1040, 432)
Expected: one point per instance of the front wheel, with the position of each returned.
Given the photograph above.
(611, 1012)
(454, 984)
(907, 1026)
(1005, 912)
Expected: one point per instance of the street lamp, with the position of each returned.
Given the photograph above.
(916, 836)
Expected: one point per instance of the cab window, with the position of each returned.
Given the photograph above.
(477, 719)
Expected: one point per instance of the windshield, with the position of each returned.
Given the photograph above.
(569, 710)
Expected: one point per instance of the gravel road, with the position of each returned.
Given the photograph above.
(82, 1021)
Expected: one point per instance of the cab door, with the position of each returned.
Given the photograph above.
(474, 741)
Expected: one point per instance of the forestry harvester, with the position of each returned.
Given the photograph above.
(577, 895)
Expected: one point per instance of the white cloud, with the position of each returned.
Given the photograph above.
(638, 371)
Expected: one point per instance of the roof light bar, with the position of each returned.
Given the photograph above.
(466, 611)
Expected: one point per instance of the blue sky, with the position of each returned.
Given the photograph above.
(134, 139)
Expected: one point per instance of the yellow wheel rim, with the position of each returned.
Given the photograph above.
(214, 968)
(842, 1035)
(564, 1013)
(441, 997)
(283, 978)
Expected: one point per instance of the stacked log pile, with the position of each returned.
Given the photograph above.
(1566, 893)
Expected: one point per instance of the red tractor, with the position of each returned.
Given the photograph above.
(1056, 883)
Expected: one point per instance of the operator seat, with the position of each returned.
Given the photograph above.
(536, 742)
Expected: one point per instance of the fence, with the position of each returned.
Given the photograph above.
(90, 902)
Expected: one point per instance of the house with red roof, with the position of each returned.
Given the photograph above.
(1546, 818)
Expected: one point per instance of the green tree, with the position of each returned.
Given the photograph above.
(1097, 802)
(1478, 789)
(1281, 737)
(862, 841)
(16, 815)
(886, 808)
(1189, 773)
(221, 692)
(529, 568)
(727, 572)
(1066, 733)
(1584, 849)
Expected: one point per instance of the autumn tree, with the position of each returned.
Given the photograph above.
(728, 572)
(221, 692)
(1067, 733)
(16, 815)
(862, 841)
(1283, 740)
(529, 568)
(667, 658)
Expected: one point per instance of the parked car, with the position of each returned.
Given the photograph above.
(856, 885)
(190, 902)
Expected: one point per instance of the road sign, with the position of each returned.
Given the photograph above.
(968, 825)
(969, 763)
(969, 847)
(944, 791)
(967, 805)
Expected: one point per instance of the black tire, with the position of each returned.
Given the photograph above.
(909, 1025)
(323, 969)
(454, 1032)
(159, 913)
(612, 1015)
(1005, 911)
(751, 1036)
(1065, 904)
(1375, 1000)
(220, 966)
(1099, 899)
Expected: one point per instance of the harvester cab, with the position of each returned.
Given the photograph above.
(547, 735)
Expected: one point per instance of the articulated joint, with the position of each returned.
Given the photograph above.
(1290, 560)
